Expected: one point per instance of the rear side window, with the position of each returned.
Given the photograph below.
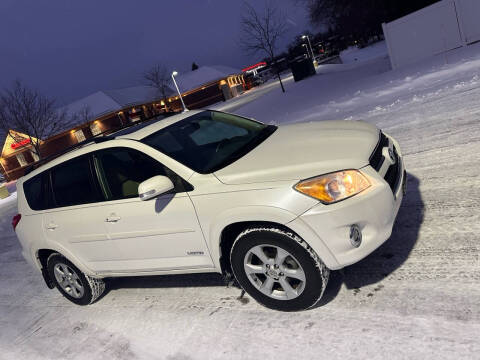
(73, 183)
(36, 192)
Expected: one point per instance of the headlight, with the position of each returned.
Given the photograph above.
(334, 187)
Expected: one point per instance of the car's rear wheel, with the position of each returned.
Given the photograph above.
(76, 286)
(278, 269)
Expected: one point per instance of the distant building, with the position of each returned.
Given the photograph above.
(208, 85)
(110, 110)
(16, 150)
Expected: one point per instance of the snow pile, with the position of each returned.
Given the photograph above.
(354, 54)
(9, 200)
(365, 89)
(11, 186)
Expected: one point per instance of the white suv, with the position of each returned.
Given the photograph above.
(206, 191)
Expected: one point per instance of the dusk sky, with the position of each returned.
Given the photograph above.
(69, 48)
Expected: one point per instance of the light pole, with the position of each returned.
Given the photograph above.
(174, 73)
(306, 46)
(310, 45)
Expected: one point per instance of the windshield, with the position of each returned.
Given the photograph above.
(210, 140)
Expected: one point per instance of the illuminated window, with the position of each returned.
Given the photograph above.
(80, 136)
(95, 128)
(135, 115)
(21, 160)
(34, 156)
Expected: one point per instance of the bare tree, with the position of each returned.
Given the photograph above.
(82, 116)
(261, 31)
(353, 19)
(159, 78)
(29, 112)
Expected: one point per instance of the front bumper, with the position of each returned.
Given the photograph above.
(327, 227)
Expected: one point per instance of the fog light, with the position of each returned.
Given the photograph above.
(355, 236)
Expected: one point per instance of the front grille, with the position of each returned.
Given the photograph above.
(376, 159)
(393, 175)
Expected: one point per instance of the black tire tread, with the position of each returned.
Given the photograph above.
(322, 269)
(96, 287)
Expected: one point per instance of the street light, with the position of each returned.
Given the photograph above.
(174, 73)
(306, 47)
(310, 45)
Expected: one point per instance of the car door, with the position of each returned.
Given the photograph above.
(155, 235)
(72, 219)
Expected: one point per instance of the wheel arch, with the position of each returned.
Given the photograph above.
(224, 236)
(230, 234)
(41, 256)
(226, 224)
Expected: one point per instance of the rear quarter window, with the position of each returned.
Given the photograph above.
(35, 193)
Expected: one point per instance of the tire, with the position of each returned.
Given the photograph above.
(77, 287)
(284, 273)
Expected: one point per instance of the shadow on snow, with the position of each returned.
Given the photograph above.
(391, 255)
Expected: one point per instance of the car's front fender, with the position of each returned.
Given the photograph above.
(239, 215)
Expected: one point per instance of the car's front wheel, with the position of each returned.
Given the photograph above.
(76, 286)
(278, 269)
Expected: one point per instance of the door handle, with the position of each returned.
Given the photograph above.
(52, 226)
(113, 218)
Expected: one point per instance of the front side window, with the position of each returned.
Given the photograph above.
(73, 183)
(210, 140)
(121, 170)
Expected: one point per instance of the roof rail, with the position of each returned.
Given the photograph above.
(104, 136)
(47, 159)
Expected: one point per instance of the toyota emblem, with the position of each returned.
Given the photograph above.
(391, 153)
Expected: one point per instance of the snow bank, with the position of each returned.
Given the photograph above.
(355, 91)
(9, 200)
(11, 186)
(354, 54)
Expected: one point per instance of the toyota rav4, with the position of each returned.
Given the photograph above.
(207, 191)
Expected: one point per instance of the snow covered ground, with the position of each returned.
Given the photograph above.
(417, 297)
(354, 54)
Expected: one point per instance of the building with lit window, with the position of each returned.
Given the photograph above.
(110, 110)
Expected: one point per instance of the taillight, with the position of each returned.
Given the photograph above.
(16, 219)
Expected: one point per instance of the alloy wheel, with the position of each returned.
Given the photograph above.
(274, 272)
(68, 280)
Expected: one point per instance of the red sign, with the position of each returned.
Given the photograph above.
(20, 143)
(260, 64)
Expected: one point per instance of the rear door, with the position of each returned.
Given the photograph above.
(73, 220)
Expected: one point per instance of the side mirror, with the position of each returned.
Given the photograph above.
(154, 187)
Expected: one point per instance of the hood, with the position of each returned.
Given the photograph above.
(303, 150)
